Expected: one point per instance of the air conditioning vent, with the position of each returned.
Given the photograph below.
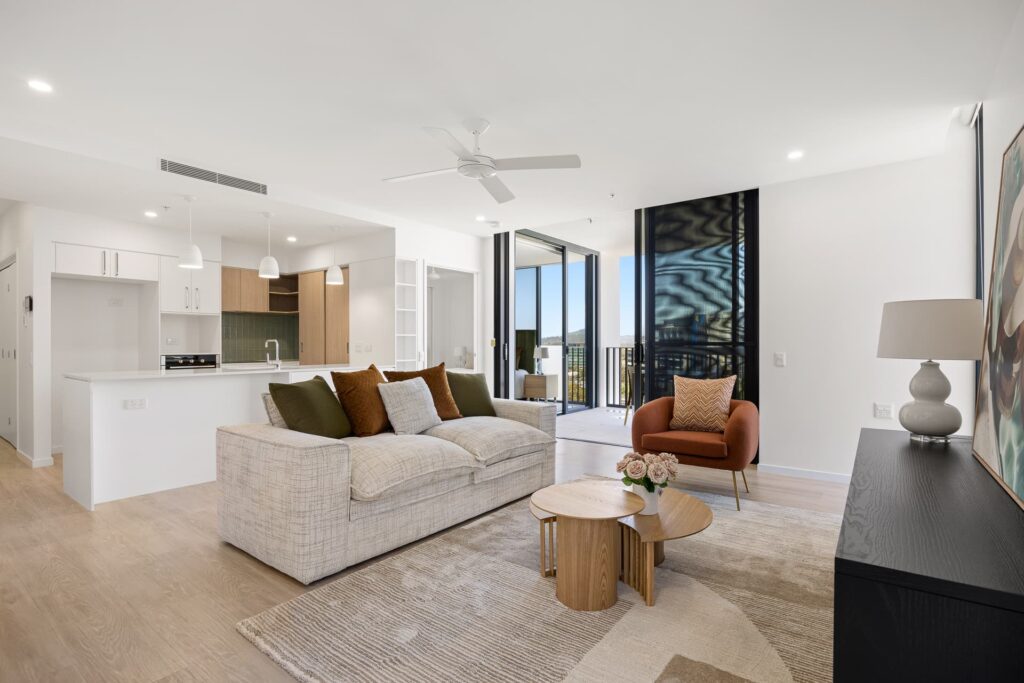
(212, 176)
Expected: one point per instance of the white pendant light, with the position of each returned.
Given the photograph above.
(192, 258)
(269, 270)
(335, 276)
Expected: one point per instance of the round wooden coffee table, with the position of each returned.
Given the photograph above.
(644, 536)
(589, 548)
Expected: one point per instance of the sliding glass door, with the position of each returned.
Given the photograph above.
(555, 304)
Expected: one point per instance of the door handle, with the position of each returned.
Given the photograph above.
(199, 303)
(117, 263)
(103, 255)
(186, 298)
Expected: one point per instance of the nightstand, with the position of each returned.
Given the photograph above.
(540, 386)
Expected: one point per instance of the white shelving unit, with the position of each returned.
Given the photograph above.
(408, 314)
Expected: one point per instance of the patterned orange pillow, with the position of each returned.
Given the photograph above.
(702, 405)
(361, 400)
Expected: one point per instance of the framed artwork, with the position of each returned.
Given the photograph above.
(999, 420)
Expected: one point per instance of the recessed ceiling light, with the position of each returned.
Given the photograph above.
(292, 238)
(40, 86)
(795, 154)
(150, 214)
(481, 218)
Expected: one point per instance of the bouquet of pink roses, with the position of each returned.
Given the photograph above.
(650, 470)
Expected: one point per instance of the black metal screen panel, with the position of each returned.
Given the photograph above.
(701, 273)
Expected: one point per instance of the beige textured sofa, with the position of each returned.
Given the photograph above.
(310, 506)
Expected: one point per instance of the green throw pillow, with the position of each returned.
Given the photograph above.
(311, 407)
(471, 394)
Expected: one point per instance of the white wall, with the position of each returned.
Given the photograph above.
(376, 245)
(372, 312)
(833, 250)
(96, 327)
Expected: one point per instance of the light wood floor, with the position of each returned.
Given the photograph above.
(143, 589)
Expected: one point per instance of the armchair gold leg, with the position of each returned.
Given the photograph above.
(744, 473)
(735, 490)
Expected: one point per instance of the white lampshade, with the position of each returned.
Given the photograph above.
(335, 276)
(541, 352)
(269, 270)
(192, 258)
(932, 329)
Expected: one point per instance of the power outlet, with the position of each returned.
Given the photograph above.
(883, 411)
(172, 341)
(135, 404)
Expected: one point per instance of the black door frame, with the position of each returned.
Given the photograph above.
(501, 314)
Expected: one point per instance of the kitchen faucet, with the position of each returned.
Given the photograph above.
(277, 353)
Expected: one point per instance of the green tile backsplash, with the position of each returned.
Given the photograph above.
(245, 333)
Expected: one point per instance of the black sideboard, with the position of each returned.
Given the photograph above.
(929, 572)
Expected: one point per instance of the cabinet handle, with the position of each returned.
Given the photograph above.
(199, 303)
(186, 298)
(117, 263)
(103, 255)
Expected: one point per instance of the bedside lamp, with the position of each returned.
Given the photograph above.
(944, 329)
(539, 354)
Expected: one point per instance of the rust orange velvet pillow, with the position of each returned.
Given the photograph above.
(701, 405)
(437, 381)
(361, 400)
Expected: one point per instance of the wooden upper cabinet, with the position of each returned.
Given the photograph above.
(230, 288)
(244, 291)
(336, 318)
(255, 291)
(311, 318)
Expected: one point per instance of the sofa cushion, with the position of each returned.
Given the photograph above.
(491, 439)
(437, 381)
(361, 400)
(311, 407)
(389, 464)
(273, 414)
(410, 406)
(703, 444)
(471, 394)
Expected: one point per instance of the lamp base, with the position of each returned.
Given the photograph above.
(929, 439)
(928, 416)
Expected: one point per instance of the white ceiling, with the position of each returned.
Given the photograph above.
(663, 101)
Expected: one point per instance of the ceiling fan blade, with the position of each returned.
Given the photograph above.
(530, 163)
(498, 189)
(413, 176)
(449, 141)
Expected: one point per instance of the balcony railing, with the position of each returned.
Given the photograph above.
(576, 369)
(618, 367)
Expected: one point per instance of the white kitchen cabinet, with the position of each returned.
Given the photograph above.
(183, 290)
(75, 259)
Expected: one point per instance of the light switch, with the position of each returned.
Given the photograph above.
(780, 359)
(883, 411)
(135, 404)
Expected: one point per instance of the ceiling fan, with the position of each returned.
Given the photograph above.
(477, 166)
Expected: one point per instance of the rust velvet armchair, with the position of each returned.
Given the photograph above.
(731, 450)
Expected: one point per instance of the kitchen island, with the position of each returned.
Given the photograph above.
(136, 432)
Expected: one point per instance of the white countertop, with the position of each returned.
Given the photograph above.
(230, 370)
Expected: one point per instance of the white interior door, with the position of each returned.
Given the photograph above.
(8, 359)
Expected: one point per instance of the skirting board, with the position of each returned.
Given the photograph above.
(42, 462)
(806, 474)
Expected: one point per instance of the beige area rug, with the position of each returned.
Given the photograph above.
(749, 599)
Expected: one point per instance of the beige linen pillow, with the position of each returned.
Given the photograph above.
(702, 405)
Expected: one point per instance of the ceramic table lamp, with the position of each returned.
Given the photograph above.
(935, 329)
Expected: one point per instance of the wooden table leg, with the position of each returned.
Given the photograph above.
(589, 552)
(659, 553)
(649, 573)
